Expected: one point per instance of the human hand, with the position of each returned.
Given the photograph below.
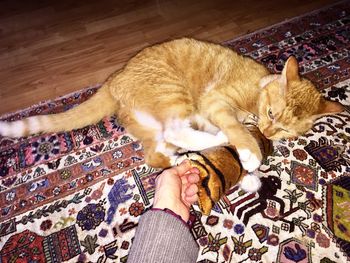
(176, 189)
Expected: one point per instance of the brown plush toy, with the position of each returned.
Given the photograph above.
(220, 169)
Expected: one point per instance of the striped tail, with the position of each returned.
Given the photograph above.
(100, 105)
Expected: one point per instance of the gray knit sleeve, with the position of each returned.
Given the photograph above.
(161, 237)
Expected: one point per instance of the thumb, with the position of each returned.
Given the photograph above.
(182, 168)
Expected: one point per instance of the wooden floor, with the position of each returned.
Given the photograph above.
(51, 48)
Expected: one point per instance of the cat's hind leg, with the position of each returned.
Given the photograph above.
(158, 153)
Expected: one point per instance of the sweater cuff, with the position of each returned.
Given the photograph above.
(171, 212)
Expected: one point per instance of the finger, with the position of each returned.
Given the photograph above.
(191, 199)
(193, 170)
(193, 178)
(182, 168)
(191, 190)
(189, 179)
(184, 180)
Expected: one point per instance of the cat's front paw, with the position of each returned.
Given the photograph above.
(171, 136)
(176, 132)
(249, 160)
(250, 183)
(221, 138)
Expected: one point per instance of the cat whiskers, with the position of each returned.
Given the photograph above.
(250, 119)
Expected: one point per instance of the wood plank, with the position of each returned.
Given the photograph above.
(51, 48)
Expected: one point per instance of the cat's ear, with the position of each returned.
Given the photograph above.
(289, 73)
(328, 107)
(291, 70)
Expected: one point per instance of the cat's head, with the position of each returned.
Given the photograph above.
(289, 104)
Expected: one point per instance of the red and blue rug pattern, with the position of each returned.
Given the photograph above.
(77, 196)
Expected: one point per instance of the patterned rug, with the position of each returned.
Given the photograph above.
(77, 196)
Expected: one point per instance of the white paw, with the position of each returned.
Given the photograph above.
(170, 135)
(221, 137)
(175, 137)
(177, 159)
(4, 128)
(162, 146)
(174, 159)
(249, 160)
(12, 129)
(175, 130)
(250, 183)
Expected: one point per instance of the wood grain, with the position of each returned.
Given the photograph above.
(51, 48)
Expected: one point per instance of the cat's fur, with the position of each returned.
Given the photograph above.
(183, 92)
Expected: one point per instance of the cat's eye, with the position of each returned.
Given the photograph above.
(270, 114)
(283, 129)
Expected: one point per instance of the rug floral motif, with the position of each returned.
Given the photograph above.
(77, 196)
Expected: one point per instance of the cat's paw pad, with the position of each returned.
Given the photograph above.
(250, 183)
(249, 160)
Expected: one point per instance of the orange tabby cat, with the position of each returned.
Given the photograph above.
(194, 95)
